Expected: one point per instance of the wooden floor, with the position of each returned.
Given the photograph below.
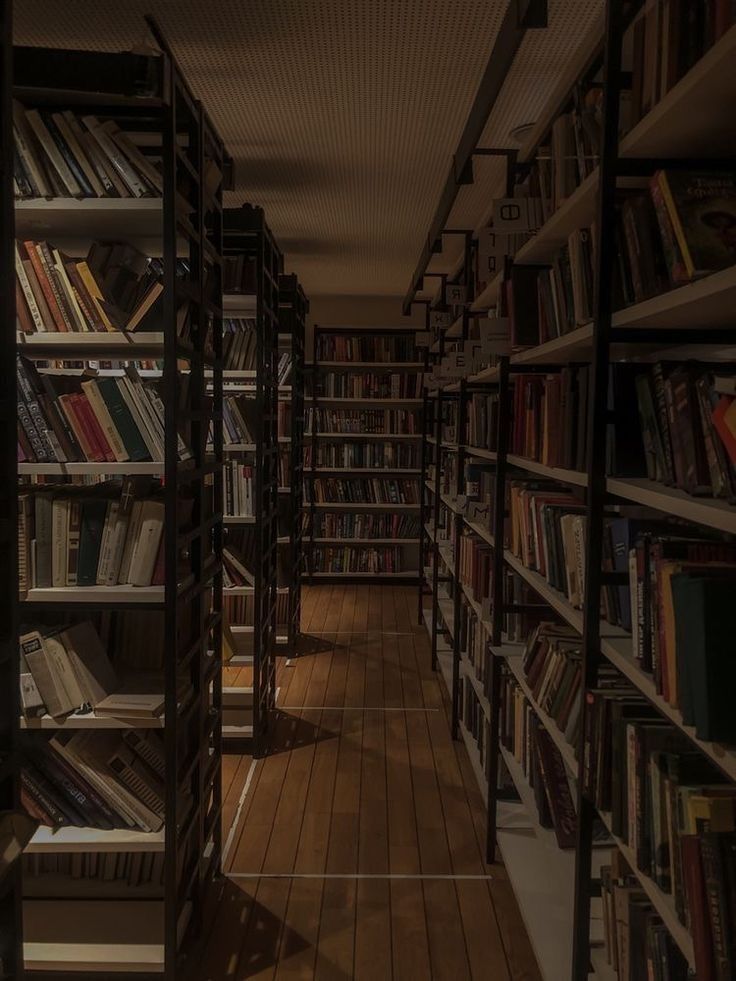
(363, 792)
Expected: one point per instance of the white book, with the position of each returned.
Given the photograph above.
(89, 661)
(59, 541)
(145, 549)
(103, 562)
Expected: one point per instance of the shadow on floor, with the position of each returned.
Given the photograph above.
(290, 732)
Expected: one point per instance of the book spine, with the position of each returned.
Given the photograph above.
(46, 286)
(28, 293)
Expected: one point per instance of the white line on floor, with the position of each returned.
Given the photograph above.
(353, 875)
(238, 812)
(352, 708)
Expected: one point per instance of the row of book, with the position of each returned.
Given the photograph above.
(102, 778)
(688, 427)
(356, 558)
(475, 721)
(235, 571)
(375, 490)
(637, 942)
(239, 485)
(474, 642)
(283, 419)
(284, 467)
(239, 420)
(550, 417)
(552, 666)
(375, 385)
(482, 421)
(126, 868)
(67, 670)
(668, 39)
(66, 154)
(526, 739)
(379, 421)
(368, 455)
(239, 344)
(336, 347)
(107, 536)
(475, 565)
(82, 417)
(352, 525)
(674, 811)
(565, 290)
(283, 369)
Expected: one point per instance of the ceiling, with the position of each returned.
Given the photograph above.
(342, 116)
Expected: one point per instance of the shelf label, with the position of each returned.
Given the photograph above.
(512, 215)
(455, 294)
(440, 319)
(423, 338)
(493, 247)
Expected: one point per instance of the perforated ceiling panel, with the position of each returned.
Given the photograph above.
(342, 115)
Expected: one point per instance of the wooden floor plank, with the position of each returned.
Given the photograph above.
(354, 786)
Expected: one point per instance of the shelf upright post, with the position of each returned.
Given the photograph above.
(605, 254)
(11, 943)
(424, 451)
(293, 307)
(436, 523)
(457, 519)
(497, 601)
(315, 444)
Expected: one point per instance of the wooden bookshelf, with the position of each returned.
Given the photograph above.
(318, 471)
(59, 930)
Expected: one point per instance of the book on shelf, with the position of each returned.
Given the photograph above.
(378, 421)
(239, 420)
(239, 485)
(550, 417)
(475, 568)
(482, 421)
(84, 417)
(355, 525)
(388, 349)
(101, 779)
(637, 942)
(356, 558)
(67, 154)
(369, 385)
(239, 344)
(283, 419)
(667, 40)
(107, 536)
(114, 288)
(239, 274)
(126, 869)
(364, 490)
(369, 455)
(283, 369)
(240, 610)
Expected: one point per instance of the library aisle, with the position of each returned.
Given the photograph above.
(358, 848)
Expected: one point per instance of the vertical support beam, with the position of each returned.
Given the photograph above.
(597, 423)
(11, 926)
(497, 603)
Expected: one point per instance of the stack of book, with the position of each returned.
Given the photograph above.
(114, 288)
(395, 421)
(524, 736)
(376, 490)
(77, 538)
(370, 385)
(351, 525)
(239, 344)
(368, 456)
(65, 154)
(82, 417)
(102, 778)
(335, 347)
(349, 558)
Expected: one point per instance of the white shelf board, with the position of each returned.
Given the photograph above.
(69, 839)
(239, 304)
(707, 302)
(708, 511)
(489, 296)
(479, 453)
(575, 477)
(91, 721)
(93, 594)
(239, 519)
(90, 218)
(480, 531)
(63, 469)
(238, 591)
(94, 344)
(239, 448)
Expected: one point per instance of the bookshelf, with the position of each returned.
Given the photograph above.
(11, 893)
(252, 301)
(688, 322)
(293, 309)
(147, 928)
(363, 445)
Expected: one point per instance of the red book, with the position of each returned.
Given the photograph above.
(76, 424)
(46, 286)
(697, 904)
(727, 437)
(94, 434)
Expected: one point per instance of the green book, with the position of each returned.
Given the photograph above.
(706, 666)
(123, 420)
(90, 539)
